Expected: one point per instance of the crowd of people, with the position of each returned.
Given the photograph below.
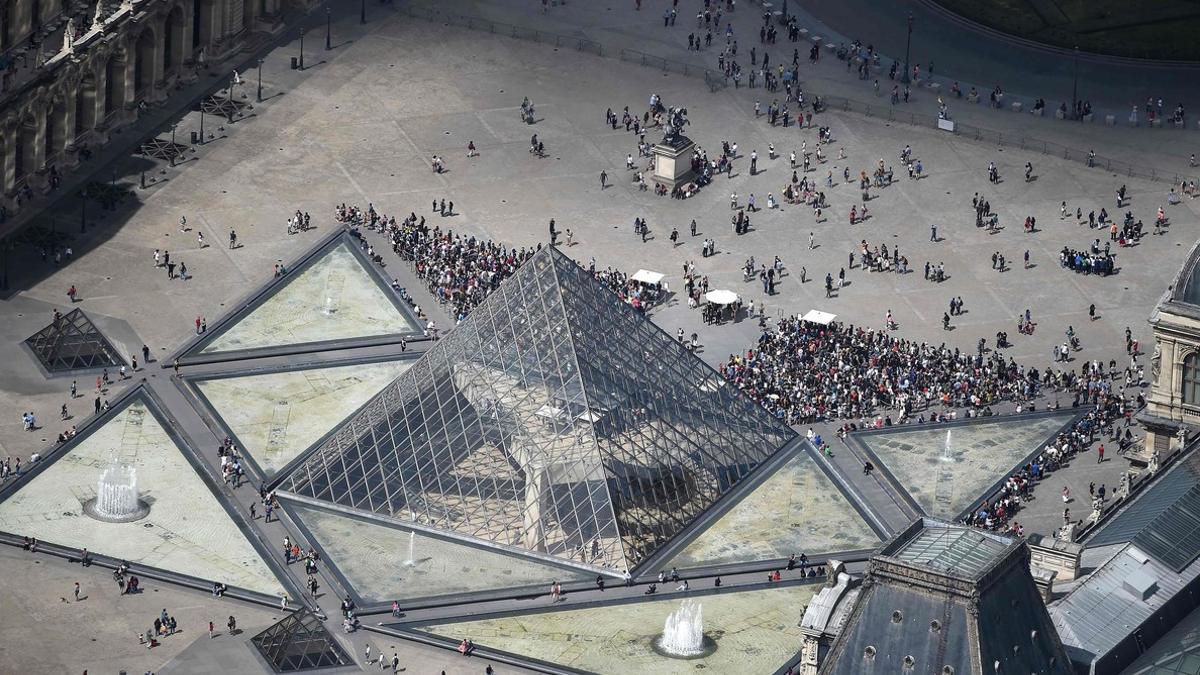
(461, 271)
(1110, 417)
(805, 372)
(1093, 261)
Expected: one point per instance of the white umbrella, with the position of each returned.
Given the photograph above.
(648, 277)
(819, 317)
(721, 297)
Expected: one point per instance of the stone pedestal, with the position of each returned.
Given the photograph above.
(673, 162)
(1055, 555)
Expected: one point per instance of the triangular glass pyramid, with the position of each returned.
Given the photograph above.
(374, 558)
(186, 529)
(276, 416)
(332, 296)
(555, 420)
(299, 641)
(797, 509)
(945, 470)
(72, 342)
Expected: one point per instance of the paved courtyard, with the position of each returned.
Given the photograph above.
(361, 124)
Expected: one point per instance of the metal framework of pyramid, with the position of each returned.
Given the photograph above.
(556, 421)
(298, 642)
(72, 342)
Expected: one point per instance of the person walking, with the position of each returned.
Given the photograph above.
(232, 239)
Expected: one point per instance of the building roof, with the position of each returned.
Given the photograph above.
(944, 598)
(1186, 288)
(962, 551)
(1111, 602)
(1177, 481)
(555, 421)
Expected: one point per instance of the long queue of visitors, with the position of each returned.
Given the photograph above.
(461, 271)
(805, 372)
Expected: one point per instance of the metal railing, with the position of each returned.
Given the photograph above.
(507, 29)
(1005, 140)
(716, 81)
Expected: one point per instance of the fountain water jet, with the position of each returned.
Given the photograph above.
(683, 633)
(411, 562)
(947, 453)
(117, 496)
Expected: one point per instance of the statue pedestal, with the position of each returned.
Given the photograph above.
(673, 162)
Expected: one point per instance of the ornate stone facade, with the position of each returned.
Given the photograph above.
(1174, 402)
(73, 72)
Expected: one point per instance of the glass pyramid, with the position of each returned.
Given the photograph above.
(556, 420)
(72, 342)
(298, 642)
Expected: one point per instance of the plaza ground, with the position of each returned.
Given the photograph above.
(360, 124)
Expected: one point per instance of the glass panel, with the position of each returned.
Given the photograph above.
(557, 419)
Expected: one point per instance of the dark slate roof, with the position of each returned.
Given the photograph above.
(1186, 288)
(892, 627)
(1150, 504)
(1112, 601)
(946, 599)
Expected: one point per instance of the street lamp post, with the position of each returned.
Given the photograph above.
(201, 123)
(905, 78)
(229, 99)
(327, 42)
(173, 143)
(258, 98)
(301, 49)
(1075, 87)
(6, 245)
(362, 12)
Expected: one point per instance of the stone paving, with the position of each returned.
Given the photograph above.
(277, 416)
(46, 631)
(797, 510)
(375, 560)
(333, 299)
(361, 125)
(944, 482)
(755, 632)
(186, 531)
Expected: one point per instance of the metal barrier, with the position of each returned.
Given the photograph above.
(716, 81)
(1009, 140)
(507, 29)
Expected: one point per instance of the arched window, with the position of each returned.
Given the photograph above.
(1191, 379)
